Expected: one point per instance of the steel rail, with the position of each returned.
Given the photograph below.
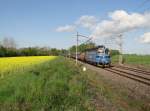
(134, 69)
(129, 76)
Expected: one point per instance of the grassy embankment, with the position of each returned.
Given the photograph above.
(133, 59)
(59, 85)
(51, 85)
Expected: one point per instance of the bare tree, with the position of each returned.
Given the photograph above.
(0, 43)
(8, 42)
(12, 43)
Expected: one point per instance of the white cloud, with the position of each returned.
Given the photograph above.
(120, 22)
(87, 21)
(66, 28)
(145, 38)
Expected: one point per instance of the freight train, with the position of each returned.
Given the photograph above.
(99, 55)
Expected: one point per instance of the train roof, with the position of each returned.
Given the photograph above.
(95, 48)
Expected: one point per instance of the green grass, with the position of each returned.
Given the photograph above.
(133, 59)
(56, 85)
(59, 85)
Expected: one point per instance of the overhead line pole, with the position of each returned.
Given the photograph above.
(77, 48)
(120, 49)
(77, 43)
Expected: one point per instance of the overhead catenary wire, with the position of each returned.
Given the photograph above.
(77, 43)
(142, 5)
(147, 9)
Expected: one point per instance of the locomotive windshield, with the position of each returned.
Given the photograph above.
(100, 50)
(103, 50)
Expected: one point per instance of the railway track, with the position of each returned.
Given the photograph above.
(142, 77)
(135, 74)
(134, 69)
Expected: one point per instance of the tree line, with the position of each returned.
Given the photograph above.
(83, 47)
(30, 51)
(8, 49)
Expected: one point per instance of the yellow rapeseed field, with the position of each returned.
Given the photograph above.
(11, 64)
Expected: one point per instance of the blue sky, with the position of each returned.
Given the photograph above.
(34, 22)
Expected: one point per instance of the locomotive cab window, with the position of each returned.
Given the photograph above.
(107, 57)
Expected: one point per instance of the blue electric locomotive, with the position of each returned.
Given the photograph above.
(98, 56)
